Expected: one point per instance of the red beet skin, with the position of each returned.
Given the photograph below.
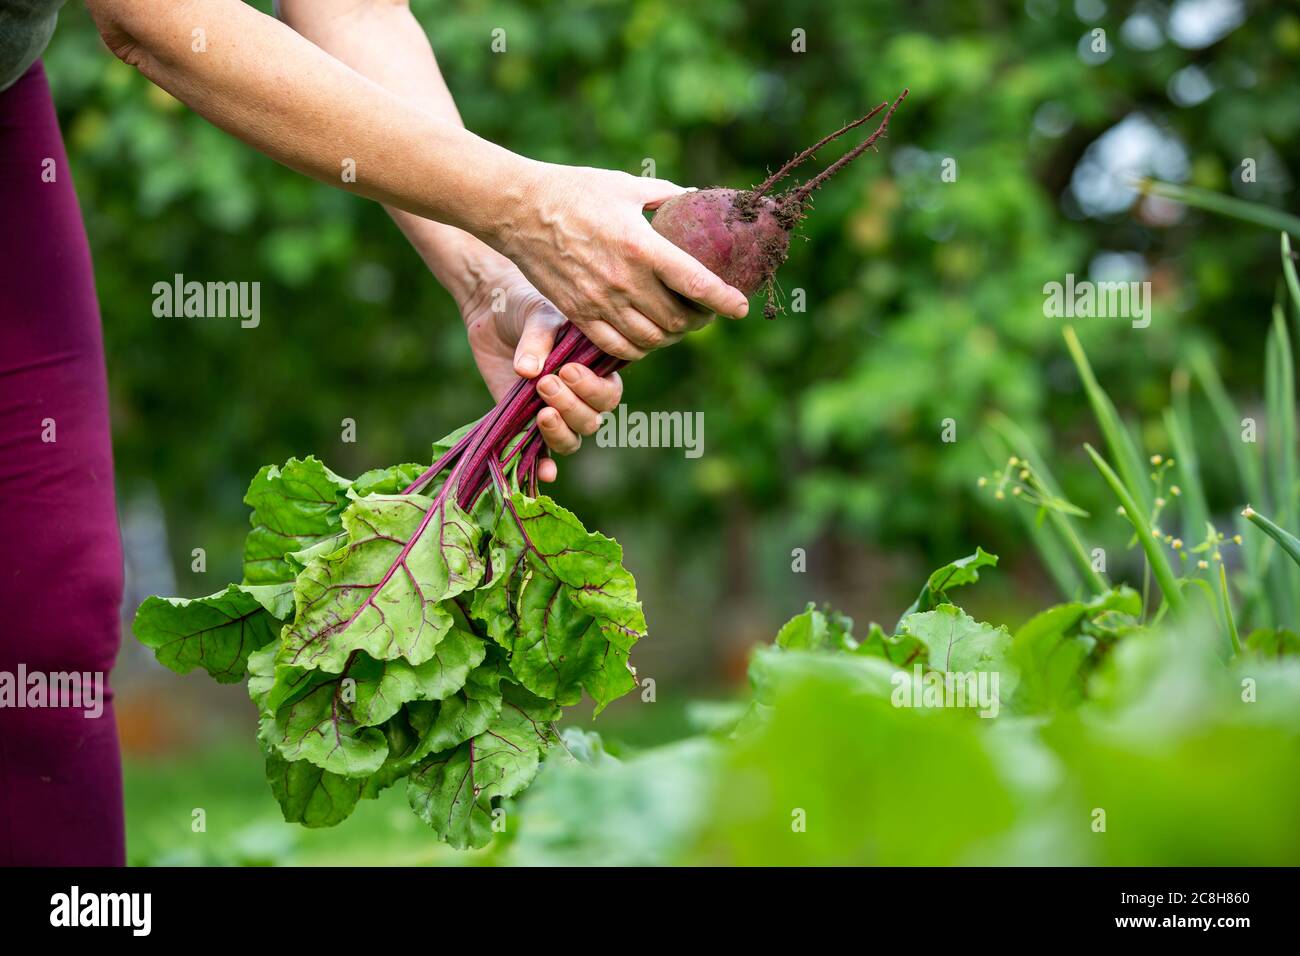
(734, 233)
(743, 235)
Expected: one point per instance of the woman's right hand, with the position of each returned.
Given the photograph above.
(580, 236)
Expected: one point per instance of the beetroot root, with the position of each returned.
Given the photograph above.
(743, 235)
(735, 233)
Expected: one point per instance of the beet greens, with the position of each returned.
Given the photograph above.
(429, 624)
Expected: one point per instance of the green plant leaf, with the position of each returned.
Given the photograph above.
(1128, 461)
(1222, 205)
(309, 795)
(588, 564)
(1245, 458)
(461, 716)
(956, 642)
(1273, 642)
(270, 684)
(1289, 542)
(1049, 654)
(384, 591)
(322, 718)
(1292, 281)
(1054, 534)
(817, 630)
(427, 727)
(556, 645)
(1178, 423)
(319, 726)
(1052, 651)
(1229, 418)
(901, 650)
(1225, 604)
(382, 687)
(771, 669)
(561, 602)
(954, 574)
(1280, 455)
(217, 632)
(1159, 563)
(453, 791)
(387, 481)
(601, 812)
(294, 507)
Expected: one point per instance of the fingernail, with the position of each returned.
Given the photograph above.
(529, 365)
(571, 374)
(548, 386)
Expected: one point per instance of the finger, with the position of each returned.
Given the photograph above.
(601, 394)
(645, 333)
(559, 437)
(682, 273)
(537, 339)
(675, 314)
(653, 193)
(611, 341)
(547, 470)
(577, 414)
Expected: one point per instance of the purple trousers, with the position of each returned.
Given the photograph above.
(60, 552)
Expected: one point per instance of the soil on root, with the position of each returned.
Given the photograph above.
(747, 205)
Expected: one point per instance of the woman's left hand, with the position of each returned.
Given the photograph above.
(511, 328)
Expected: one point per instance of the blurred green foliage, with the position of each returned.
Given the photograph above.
(241, 823)
(924, 297)
(1110, 743)
(1170, 757)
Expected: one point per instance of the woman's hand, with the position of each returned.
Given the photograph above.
(578, 234)
(511, 328)
(581, 238)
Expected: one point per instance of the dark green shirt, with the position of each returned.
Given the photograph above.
(25, 28)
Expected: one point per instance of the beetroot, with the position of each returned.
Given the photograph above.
(739, 235)
(743, 235)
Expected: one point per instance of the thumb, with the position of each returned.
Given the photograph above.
(653, 193)
(537, 338)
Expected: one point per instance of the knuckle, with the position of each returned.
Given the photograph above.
(677, 321)
(627, 182)
(621, 281)
(585, 376)
(565, 401)
(587, 297)
(698, 284)
(620, 347)
(607, 342)
(636, 248)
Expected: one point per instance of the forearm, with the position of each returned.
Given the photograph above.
(382, 40)
(281, 94)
